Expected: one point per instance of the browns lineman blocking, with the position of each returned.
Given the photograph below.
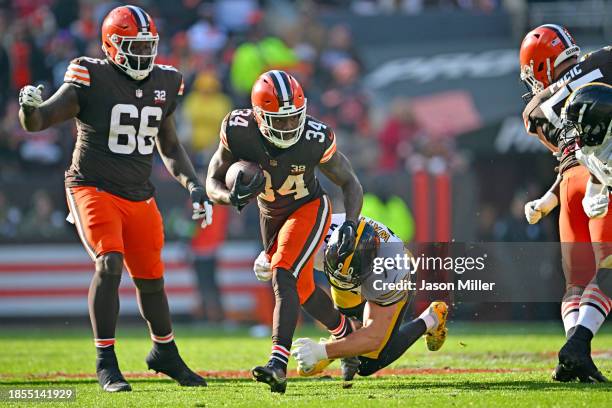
(551, 69)
(295, 212)
(123, 107)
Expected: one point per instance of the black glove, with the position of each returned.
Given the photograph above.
(241, 193)
(346, 237)
(202, 206)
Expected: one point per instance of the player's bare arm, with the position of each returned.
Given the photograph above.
(241, 193)
(215, 179)
(174, 155)
(339, 170)
(177, 162)
(36, 115)
(376, 323)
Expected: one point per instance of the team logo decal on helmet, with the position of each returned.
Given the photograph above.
(279, 106)
(129, 40)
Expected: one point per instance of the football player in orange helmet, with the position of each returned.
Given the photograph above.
(120, 119)
(543, 50)
(295, 211)
(551, 69)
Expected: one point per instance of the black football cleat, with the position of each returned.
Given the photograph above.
(169, 362)
(563, 374)
(349, 367)
(575, 356)
(274, 376)
(109, 376)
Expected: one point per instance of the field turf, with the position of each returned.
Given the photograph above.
(481, 365)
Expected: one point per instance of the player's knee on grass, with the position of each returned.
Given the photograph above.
(110, 263)
(369, 366)
(149, 285)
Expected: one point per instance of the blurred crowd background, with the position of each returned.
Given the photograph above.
(424, 97)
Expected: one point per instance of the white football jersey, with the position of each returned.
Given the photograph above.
(390, 246)
(601, 170)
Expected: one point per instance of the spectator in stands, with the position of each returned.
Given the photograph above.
(205, 36)
(397, 135)
(205, 245)
(5, 67)
(345, 104)
(43, 219)
(339, 48)
(27, 60)
(260, 53)
(205, 122)
(10, 217)
(512, 227)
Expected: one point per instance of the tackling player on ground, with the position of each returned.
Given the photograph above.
(123, 107)
(295, 212)
(365, 297)
(551, 70)
(587, 117)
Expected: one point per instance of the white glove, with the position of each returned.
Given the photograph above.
(203, 212)
(595, 201)
(261, 267)
(308, 353)
(536, 209)
(30, 97)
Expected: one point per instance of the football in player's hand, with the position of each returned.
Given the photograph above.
(249, 170)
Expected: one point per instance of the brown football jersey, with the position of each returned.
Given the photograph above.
(117, 124)
(290, 173)
(593, 67)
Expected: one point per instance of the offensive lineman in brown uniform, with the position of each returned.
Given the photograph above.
(551, 70)
(295, 212)
(123, 107)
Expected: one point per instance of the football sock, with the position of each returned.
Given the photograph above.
(343, 329)
(153, 304)
(320, 306)
(430, 319)
(284, 319)
(569, 309)
(103, 302)
(594, 308)
(279, 356)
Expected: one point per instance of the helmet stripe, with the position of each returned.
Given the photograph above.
(281, 85)
(560, 31)
(349, 259)
(141, 18)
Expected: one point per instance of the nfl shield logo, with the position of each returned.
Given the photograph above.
(139, 93)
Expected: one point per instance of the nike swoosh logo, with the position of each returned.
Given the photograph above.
(149, 201)
(240, 197)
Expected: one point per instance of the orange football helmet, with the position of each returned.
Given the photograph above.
(279, 106)
(542, 50)
(129, 40)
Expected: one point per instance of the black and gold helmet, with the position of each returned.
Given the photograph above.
(357, 267)
(588, 111)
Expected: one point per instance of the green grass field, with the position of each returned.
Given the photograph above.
(480, 365)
